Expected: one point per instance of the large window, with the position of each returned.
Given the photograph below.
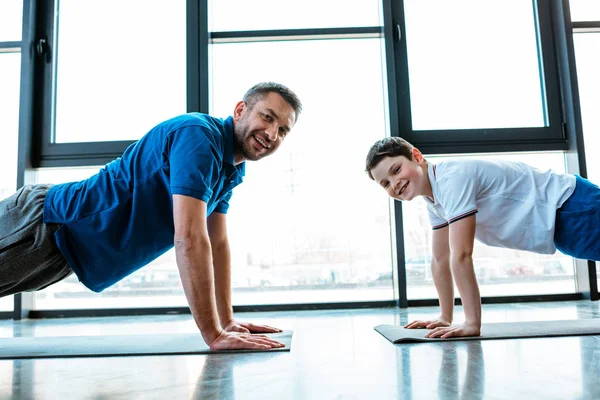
(465, 81)
(451, 79)
(585, 10)
(462, 80)
(243, 15)
(119, 71)
(500, 272)
(321, 234)
(11, 17)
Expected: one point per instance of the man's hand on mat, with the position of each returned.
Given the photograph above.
(454, 331)
(434, 323)
(248, 327)
(237, 341)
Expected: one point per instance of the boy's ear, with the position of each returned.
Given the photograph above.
(417, 155)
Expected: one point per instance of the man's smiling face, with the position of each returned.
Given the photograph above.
(260, 130)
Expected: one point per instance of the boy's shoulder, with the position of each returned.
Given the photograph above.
(466, 166)
(460, 166)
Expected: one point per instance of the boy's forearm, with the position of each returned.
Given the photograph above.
(442, 278)
(464, 274)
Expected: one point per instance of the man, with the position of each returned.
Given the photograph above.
(170, 188)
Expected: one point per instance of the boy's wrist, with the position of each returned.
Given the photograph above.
(445, 319)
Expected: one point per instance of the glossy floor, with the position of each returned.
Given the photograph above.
(334, 355)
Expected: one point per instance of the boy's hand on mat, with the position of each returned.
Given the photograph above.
(462, 330)
(238, 341)
(434, 323)
(248, 327)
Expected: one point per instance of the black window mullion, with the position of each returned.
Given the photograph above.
(392, 32)
(197, 55)
(43, 48)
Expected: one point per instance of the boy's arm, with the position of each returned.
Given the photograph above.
(442, 275)
(442, 278)
(462, 238)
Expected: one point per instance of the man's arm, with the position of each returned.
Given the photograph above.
(194, 260)
(217, 232)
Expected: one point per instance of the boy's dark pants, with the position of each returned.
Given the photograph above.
(29, 257)
(577, 228)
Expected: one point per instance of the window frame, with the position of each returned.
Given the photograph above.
(37, 97)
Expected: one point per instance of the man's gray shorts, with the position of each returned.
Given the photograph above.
(29, 257)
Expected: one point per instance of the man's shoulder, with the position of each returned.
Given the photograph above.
(201, 121)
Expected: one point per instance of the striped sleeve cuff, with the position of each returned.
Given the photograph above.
(463, 215)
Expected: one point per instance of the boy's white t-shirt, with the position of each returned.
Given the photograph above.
(515, 203)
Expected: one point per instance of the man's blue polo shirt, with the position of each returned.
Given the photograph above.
(120, 219)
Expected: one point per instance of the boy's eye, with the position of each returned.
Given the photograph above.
(386, 185)
(396, 170)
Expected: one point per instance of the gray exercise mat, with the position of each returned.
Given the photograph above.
(504, 330)
(118, 345)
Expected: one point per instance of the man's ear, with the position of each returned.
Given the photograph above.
(239, 110)
(417, 155)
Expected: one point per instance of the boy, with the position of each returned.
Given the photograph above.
(501, 203)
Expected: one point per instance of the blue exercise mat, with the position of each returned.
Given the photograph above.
(118, 345)
(504, 330)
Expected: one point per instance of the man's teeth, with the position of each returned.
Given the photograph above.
(261, 142)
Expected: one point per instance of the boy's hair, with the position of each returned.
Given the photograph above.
(260, 90)
(387, 147)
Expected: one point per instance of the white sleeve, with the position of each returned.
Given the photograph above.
(437, 222)
(458, 195)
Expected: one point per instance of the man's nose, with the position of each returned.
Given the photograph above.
(271, 133)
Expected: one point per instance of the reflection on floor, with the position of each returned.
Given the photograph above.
(334, 355)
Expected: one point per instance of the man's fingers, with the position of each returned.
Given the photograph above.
(263, 340)
(263, 328)
(416, 324)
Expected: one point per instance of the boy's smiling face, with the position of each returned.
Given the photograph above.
(403, 179)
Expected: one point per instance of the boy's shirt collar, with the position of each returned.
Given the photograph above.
(431, 173)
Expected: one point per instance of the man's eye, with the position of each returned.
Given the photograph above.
(282, 132)
(267, 117)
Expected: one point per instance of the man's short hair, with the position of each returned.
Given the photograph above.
(258, 92)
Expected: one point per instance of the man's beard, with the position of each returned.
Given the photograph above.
(243, 136)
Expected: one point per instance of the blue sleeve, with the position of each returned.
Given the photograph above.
(195, 161)
(223, 205)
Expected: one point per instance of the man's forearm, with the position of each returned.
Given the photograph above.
(194, 261)
(222, 271)
(442, 278)
(464, 274)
